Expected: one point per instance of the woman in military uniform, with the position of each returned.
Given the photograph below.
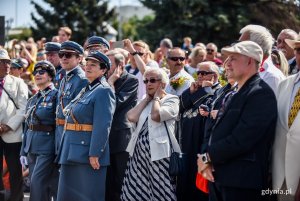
(84, 151)
(38, 140)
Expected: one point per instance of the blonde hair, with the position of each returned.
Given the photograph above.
(144, 45)
(187, 39)
(67, 30)
(196, 51)
(282, 61)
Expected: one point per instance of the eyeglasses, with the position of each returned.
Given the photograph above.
(176, 58)
(40, 72)
(140, 53)
(203, 73)
(151, 80)
(68, 55)
(210, 50)
(6, 62)
(297, 50)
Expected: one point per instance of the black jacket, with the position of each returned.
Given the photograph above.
(126, 98)
(241, 140)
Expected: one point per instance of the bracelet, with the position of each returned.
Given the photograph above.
(156, 99)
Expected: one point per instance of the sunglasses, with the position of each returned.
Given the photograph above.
(67, 55)
(40, 72)
(210, 50)
(176, 58)
(203, 73)
(297, 50)
(140, 53)
(151, 80)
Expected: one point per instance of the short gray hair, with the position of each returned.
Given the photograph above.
(261, 35)
(166, 42)
(290, 32)
(160, 73)
(118, 56)
(212, 65)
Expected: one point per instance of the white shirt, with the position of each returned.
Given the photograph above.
(180, 89)
(191, 70)
(142, 87)
(271, 75)
(158, 137)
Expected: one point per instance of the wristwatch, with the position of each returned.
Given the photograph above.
(205, 158)
(133, 53)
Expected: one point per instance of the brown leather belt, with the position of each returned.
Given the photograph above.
(46, 128)
(60, 122)
(79, 127)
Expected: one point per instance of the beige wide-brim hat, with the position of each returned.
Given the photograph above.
(246, 48)
(293, 43)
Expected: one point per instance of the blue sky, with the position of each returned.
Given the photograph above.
(19, 10)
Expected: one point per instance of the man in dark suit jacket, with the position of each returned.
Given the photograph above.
(125, 86)
(238, 145)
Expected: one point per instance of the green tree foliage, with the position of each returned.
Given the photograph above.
(84, 17)
(218, 21)
(135, 28)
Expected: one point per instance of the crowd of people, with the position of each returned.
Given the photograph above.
(99, 121)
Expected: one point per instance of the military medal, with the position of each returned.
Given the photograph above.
(195, 113)
(68, 86)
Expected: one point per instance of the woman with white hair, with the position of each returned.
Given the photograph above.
(147, 177)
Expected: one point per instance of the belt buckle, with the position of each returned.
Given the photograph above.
(78, 127)
(31, 127)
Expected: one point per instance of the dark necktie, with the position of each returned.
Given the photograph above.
(1, 86)
(225, 103)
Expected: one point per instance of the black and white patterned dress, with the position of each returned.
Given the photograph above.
(145, 179)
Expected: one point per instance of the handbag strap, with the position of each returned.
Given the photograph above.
(9, 97)
(178, 130)
(171, 145)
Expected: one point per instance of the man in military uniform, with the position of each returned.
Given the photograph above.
(52, 49)
(96, 43)
(70, 56)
